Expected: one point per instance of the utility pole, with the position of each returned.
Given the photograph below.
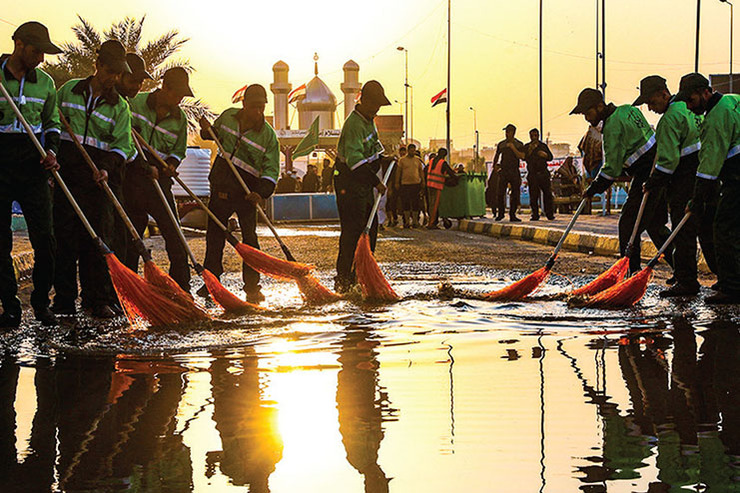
(475, 128)
(603, 48)
(598, 53)
(406, 94)
(698, 24)
(541, 67)
(732, 24)
(449, 47)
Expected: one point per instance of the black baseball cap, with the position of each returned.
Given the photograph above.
(587, 99)
(137, 66)
(690, 83)
(648, 87)
(113, 54)
(255, 93)
(373, 91)
(178, 79)
(37, 35)
(510, 126)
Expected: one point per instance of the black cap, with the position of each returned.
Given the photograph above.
(255, 93)
(587, 99)
(35, 34)
(510, 126)
(372, 91)
(113, 54)
(137, 66)
(648, 87)
(690, 83)
(178, 79)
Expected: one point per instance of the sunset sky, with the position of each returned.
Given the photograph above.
(494, 50)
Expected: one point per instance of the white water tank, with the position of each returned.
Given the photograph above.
(194, 170)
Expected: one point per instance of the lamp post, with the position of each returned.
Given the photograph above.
(698, 25)
(406, 93)
(732, 15)
(475, 127)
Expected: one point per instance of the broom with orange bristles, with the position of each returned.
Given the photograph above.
(140, 300)
(524, 287)
(371, 279)
(152, 272)
(228, 301)
(628, 292)
(311, 289)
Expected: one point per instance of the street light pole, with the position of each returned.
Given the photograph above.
(406, 93)
(698, 24)
(541, 67)
(475, 128)
(732, 15)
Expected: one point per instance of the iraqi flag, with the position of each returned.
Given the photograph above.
(239, 95)
(440, 98)
(297, 93)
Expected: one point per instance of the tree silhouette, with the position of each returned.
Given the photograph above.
(78, 58)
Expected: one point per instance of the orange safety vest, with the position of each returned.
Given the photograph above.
(436, 178)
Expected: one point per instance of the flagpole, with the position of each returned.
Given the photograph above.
(449, 30)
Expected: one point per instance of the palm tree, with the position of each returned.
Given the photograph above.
(78, 58)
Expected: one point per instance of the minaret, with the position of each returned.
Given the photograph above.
(280, 89)
(351, 86)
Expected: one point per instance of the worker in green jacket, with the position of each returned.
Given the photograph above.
(252, 145)
(677, 138)
(101, 120)
(629, 149)
(24, 176)
(719, 168)
(359, 158)
(159, 119)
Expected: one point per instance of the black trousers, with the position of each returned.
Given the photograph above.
(513, 179)
(680, 190)
(654, 218)
(142, 201)
(223, 205)
(539, 183)
(411, 195)
(354, 205)
(23, 180)
(492, 191)
(727, 235)
(393, 203)
(76, 249)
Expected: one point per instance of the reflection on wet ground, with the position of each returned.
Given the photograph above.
(424, 395)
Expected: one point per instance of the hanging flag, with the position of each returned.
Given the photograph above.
(439, 98)
(309, 142)
(297, 93)
(239, 95)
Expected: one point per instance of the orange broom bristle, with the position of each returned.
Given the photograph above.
(228, 300)
(372, 281)
(520, 289)
(625, 294)
(315, 293)
(143, 301)
(156, 276)
(614, 275)
(272, 266)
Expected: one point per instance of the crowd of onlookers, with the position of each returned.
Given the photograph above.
(311, 182)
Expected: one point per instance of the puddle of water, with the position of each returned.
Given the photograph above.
(423, 395)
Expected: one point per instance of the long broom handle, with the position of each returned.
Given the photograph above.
(377, 199)
(119, 208)
(260, 211)
(170, 212)
(640, 212)
(54, 173)
(668, 241)
(565, 234)
(231, 239)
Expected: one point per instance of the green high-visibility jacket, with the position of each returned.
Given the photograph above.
(677, 136)
(627, 137)
(358, 150)
(255, 151)
(102, 123)
(720, 136)
(36, 98)
(168, 135)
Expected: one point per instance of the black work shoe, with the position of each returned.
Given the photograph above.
(680, 289)
(720, 298)
(715, 286)
(203, 291)
(498, 218)
(514, 219)
(255, 296)
(550, 218)
(671, 281)
(63, 309)
(46, 317)
(534, 218)
(103, 311)
(10, 320)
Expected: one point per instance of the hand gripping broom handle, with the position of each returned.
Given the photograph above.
(261, 212)
(119, 208)
(229, 237)
(54, 173)
(377, 199)
(668, 241)
(551, 260)
(640, 213)
(198, 268)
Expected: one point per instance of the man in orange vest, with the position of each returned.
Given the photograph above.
(436, 172)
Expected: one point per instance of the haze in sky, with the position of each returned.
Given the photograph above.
(494, 50)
